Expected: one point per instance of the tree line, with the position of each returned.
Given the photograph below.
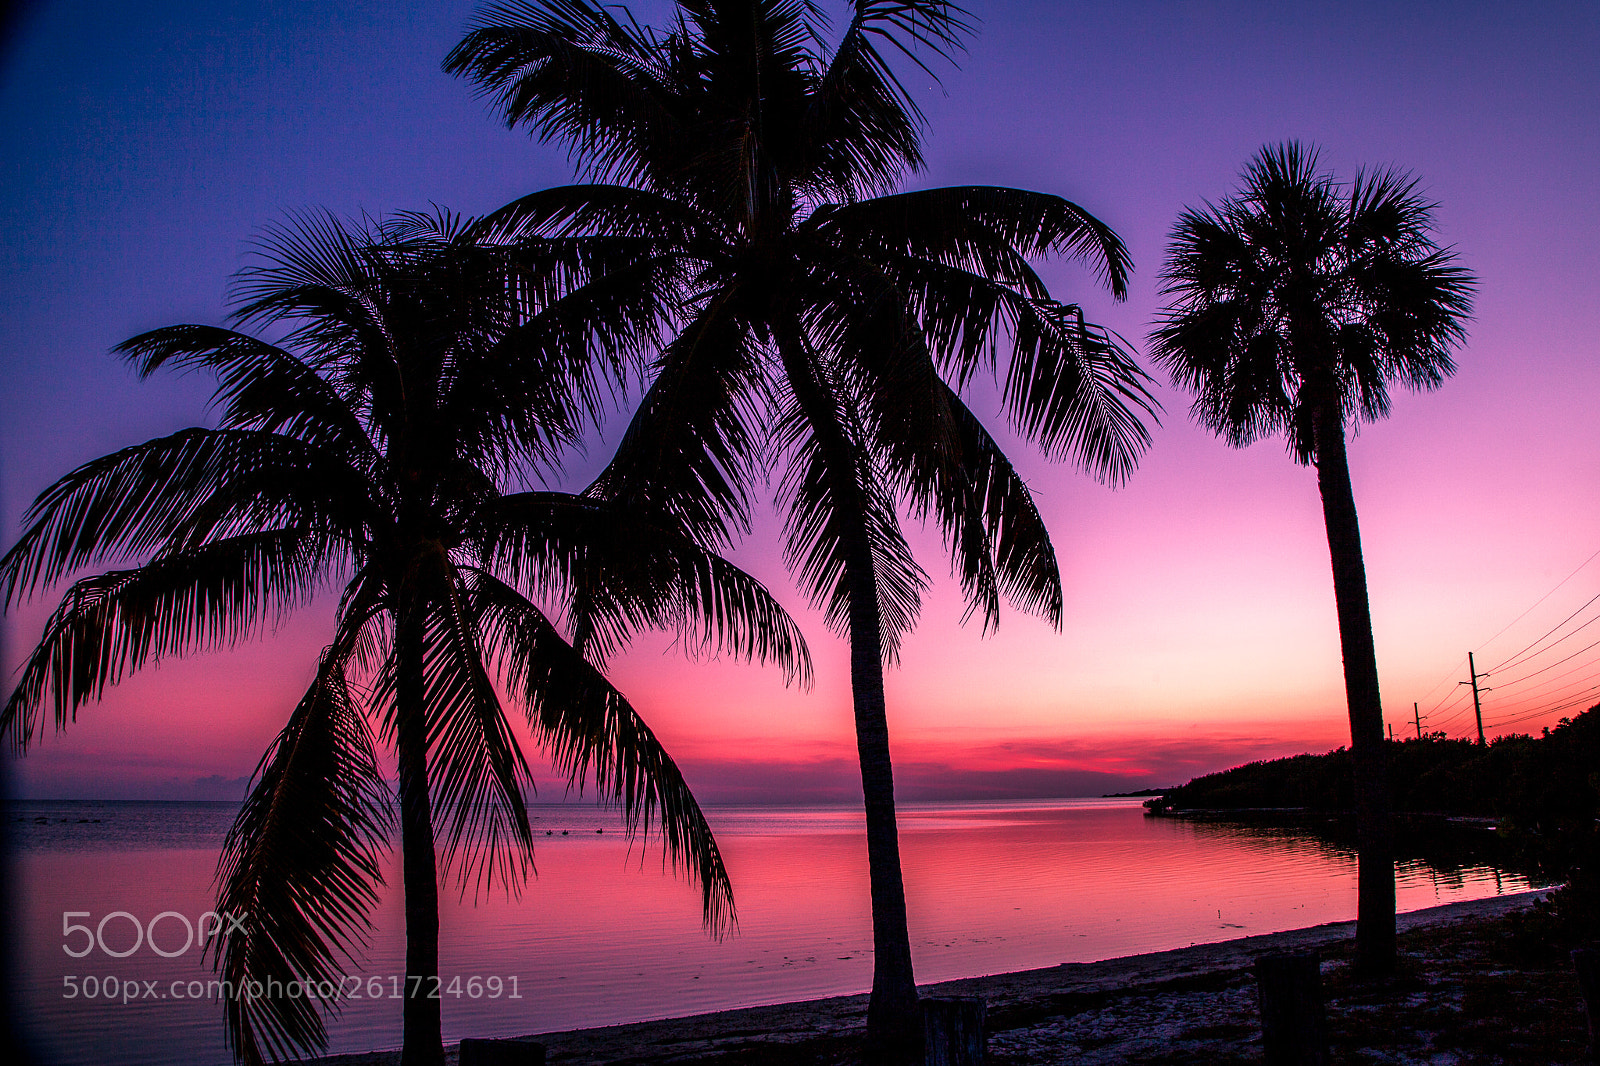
(1542, 793)
(1535, 782)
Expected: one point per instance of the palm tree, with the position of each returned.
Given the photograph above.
(416, 374)
(821, 323)
(1294, 307)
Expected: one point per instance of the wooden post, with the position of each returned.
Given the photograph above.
(501, 1053)
(1587, 962)
(1293, 1031)
(953, 1031)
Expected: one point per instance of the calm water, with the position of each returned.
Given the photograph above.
(603, 936)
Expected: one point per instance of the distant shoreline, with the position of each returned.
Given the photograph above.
(748, 1030)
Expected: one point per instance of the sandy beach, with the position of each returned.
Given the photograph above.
(1194, 1004)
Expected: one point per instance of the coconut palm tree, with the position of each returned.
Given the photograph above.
(1294, 306)
(372, 447)
(822, 324)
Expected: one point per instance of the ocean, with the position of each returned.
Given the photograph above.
(108, 896)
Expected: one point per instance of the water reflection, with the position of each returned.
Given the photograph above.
(604, 936)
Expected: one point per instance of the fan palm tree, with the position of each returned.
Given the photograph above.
(821, 323)
(1295, 305)
(416, 376)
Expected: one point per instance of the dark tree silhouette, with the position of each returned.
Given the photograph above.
(819, 323)
(1294, 307)
(416, 375)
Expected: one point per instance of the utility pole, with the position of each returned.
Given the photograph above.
(1477, 703)
(1417, 713)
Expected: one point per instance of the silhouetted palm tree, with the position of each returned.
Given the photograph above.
(1294, 307)
(819, 323)
(417, 375)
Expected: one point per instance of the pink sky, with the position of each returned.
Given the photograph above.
(144, 144)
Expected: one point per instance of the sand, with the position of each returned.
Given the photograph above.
(1195, 1003)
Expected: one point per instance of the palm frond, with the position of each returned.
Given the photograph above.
(576, 347)
(612, 210)
(1237, 373)
(864, 128)
(193, 485)
(618, 569)
(1417, 298)
(690, 448)
(471, 397)
(113, 624)
(962, 316)
(260, 386)
(573, 73)
(435, 227)
(309, 252)
(300, 873)
(594, 735)
(1068, 385)
(935, 453)
(840, 514)
(984, 229)
(991, 527)
(1073, 387)
(1014, 534)
(478, 774)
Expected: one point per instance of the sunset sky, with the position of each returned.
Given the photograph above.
(144, 143)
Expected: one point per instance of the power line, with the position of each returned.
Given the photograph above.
(1552, 666)
(1554, 688)
(1446, 679)
(1527, 696)
(1445, 722)
(1583, 697)
(1450, 698)
(1570, 694)
(1459, 696)
(1440, 713)
(1544, 706)
(1546, 710)
(1538, 601)
(1522, 657)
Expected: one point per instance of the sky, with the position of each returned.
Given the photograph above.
(145, 143)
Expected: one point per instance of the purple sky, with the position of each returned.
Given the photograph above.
(144, 143)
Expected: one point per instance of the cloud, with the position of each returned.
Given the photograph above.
(949, 766)
(940, 781)
(219, 787)
(1024, 768)
(47, 775)
(817, 780)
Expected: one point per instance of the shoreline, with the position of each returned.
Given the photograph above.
(1034, 993)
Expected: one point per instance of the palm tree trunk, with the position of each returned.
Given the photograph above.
(892, 1018)
(893, 1021)
(423, 1035)
(1375, 934)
